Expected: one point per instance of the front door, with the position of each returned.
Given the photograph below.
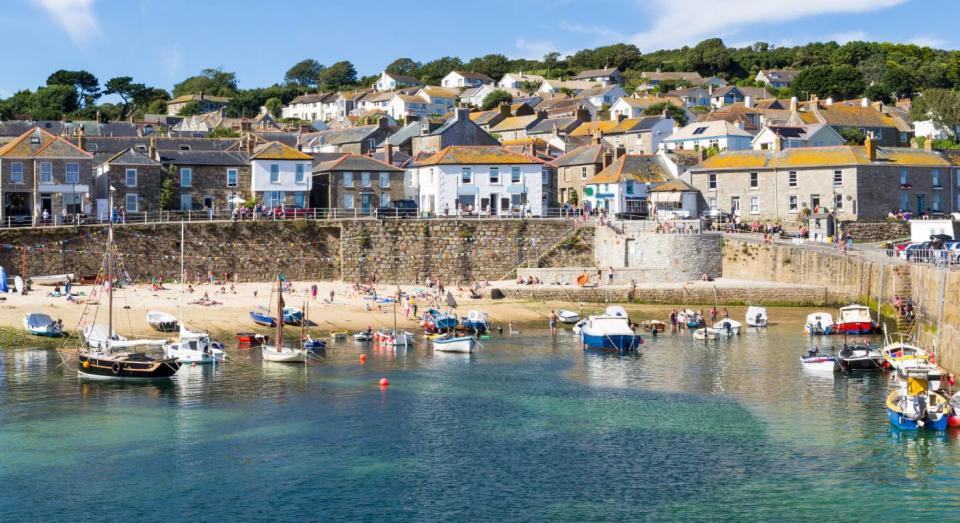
(735, 206)
(46, 203)
(921, 203)
(365, 202)
(494, 197)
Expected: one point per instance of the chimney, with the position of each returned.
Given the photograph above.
(505, 110)
(777, 143)
(542, 115)
(829, 100)
(583, 114)
(794, 104)
(424, 128)
(928, 143)
(461, 114)
(871, 147)
(382, 122)
(152, 148)
(865, 102)
(598, 138)
(710, 89)
(619, 152)
(607, 159)
(748, 102)
(388, 153)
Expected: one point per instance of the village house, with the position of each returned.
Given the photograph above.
(624, 185)
(489, 180)
(854, 182)
(888, 130)
(577, 166)
(441, 99)
(461, 79)
(457, 130)
(358, 140)
(636, 135)
(206, 102)
(718, 134)
(815, 135)
(515, 127)
(574, 87)
(43, 173)
(136, 178)
(692, 96)
(607, 76)
(280, 175)
(392, 82)
(311, 107)
(676, 198)
(651, 79)
(206, 179)
(515, 80)
(740, 114)
(356, 184)
(733, 94)
(777, 78)
(634, 107)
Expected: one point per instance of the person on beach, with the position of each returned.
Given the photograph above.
(413, 305)
(673, 320)
(331, 295)
(713, 314)
(726, 314)
(553, 322)
(313, 291)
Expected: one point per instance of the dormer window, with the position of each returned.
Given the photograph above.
(35, 139)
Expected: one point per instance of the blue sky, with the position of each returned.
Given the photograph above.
(160, 42)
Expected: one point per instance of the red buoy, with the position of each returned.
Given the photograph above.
(384, 382)
(363, 358)
(953, 420)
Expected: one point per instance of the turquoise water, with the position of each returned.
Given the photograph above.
(528, 429)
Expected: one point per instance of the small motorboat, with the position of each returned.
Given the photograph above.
(436, 321)
(816, 361)
(565, 316)
(819, 324)
(52, 279)
(459, 344)
(756, 316)
(363, 336)
(392, 338)
(339, 335)
(262, 318)
(855, 319)
(161, 321)
(728, 327)
(194, 347)
(902, 354)
(40, 324)
(859, 357)
(653, 326)
(252, 339)
(283, 354)
(476, 322)
(292, 316)
(610, 331)
(706, 333)
(312, 344)
(914, 405)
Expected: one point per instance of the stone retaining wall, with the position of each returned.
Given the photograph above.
(873, 232)
(809, 296)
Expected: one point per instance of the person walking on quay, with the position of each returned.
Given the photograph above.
(599, 275)
(553, 323)
(610, 275)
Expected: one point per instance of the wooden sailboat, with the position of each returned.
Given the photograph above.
(277, 352)
(107, 355)
(396, 337)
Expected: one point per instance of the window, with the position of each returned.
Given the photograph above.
(299, 176)
(186, 177)
(232, 178)
(494, 175)
(16, 172)
(815, 202)
(73, 173)
(365, 180)
(348, 179)
(792, 179)
(754, 205)
(46, 172)
(384, 199)
(515, 175)
(699, 131)
(935, 175)
(712, 181)
(583, 172)
(466, 175)
(712, 202)
(348, 201)
(936, 202)
(905, 201)
(792, 203)
(838, 202)
(544, 177)
(299, 199)
(629, 188)
(130, 178)
(130, 202)
(274, 173)
(904, 176)
(735, 205)
(384, 180)
(904, 138)
(837, 178)
(754, 180)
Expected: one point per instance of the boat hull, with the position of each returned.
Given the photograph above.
(285, 355)
(902, 422)
(824, 364)
(855, 328)
(611, 342)
(463, 345)
(263, 319)
(111, 368)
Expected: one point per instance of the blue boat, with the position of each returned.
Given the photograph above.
(914, 406)
(264, 319)
(476, 321)
(436, 321)
(292, 316)
(312, 344)
(610, 332)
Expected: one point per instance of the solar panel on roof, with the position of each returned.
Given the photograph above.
(699, 130)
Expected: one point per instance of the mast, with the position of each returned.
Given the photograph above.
(279, 333)
(110, 274)
(303, 322)
(182, 236)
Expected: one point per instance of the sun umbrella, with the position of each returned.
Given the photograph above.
(237, 200)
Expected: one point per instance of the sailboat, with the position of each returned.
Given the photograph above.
(277, 352)
(107, 355)
(395, 337)
(191, 347)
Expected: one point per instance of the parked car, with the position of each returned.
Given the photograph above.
(917, 251)
(716, 215)
(397, 209)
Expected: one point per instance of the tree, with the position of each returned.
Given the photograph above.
(339, 75)
(274, 106)
(709, 57)
(86, 86)
(52, 102)
(404, 66)
(215, 82)
(127, 90)
(940, 105)
(899, 81)
(433, 72)
(492, 65)
(837, 81)
(190, 109)
(677, 113)
(17, 106)
(223, 132)
(495, 98)
(853, 135)
(304, 73)
(168, 190)
(878, 93)
(551, 60)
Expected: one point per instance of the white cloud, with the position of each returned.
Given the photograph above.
(534, 49)
(76, 17)
(928, 41)
(685, 23)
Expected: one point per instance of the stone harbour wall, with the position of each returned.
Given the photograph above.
(675, 295)
(873, 232)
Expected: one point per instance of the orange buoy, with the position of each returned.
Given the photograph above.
(363, 358)
(384, 382)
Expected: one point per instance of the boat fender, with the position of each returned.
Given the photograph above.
(116, 368)
(933, 359)
(951, 379)
(86, 364)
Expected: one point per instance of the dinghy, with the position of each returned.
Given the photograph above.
(816, 361)
(292, 316)
(706, 333)
(819, 324)
(363, 336)
(459, 344)
(756, 316)
(264, 319)
(161, 321)
(40, 324)
(194, 347)
(565, 316)
(914, 405)
(728, 327)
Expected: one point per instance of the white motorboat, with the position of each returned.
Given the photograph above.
(901, 354)
(819, 323)
(41, 324)
(194, 347)
(706, 333)
(363, 336)
(52, 279)
(462, 344)
(565, 316)
(728, 327)
(161, 321)
(392, 338)
(610, 331)
(816, 361)
(756, 316)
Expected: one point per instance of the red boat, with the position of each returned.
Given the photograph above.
(251, 338)
(855, 319)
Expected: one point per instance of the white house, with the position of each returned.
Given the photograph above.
(604, 96)
(576, 86)
(608, 76)
(390, 82)
(281, 174)
(457, 79)
(634, 107)
(624, 186)
(489, 179)
(778, 78)
(814, 135)
(404, 106)
(442, 99)
(716, 133)
(513, 80)
(311, 107)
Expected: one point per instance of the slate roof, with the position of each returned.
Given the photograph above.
(111, 145)
(405, 133)
(226, 158)
(584, 155)
(341, 136)
(400, 159)
(674, 185)
(354, 162)
(595, 73)
(314, 98)
(628, 125)
(278, 151)
(404, 78)
(199, 97)
(474, 76)
(515, 123)
(672, 75)
(547, 125)
(646, 101)
(131, 157)
(647, 168)
(440, 92)
(708, 129)
(477, 154)
(842, 115)
(38, 143)
(783, 75)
